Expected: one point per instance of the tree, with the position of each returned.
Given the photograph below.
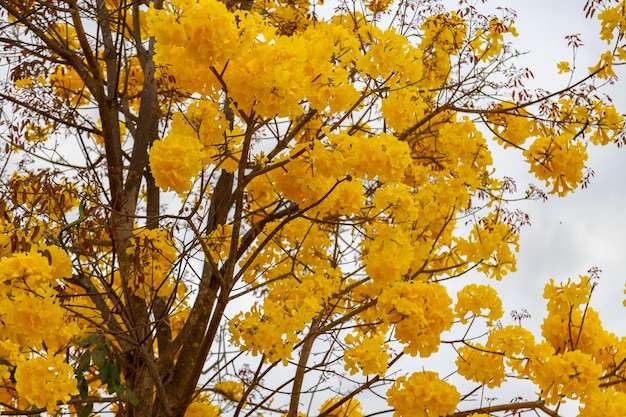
(258, 207)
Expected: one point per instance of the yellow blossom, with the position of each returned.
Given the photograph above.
(202, 408)
(474, 299)
(348, 408)
(44, 381)
(420, 311)
(558, 161)
(368, 354)
(572, 374)
(563, 67)
(611, 18)
(477, 363)
(604, 67)
(378, 6)
(231, 390)
(33, 269)
(422, 394)
(58, 259)
(175, 162)
(608, 402)
(24, 82)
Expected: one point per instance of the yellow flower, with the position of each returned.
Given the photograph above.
(45, 381)
(24, 312)
(574, 375)
(369, 354)
(59, 260)
(175, 161)
(32, 268)
(611, 18)
(205, 27)
(422, 394)
(558, 161)
(420, 311)
(231, 390)
(24, 82)
(608, 402)
(349, 408)
(570, 323)
(477, 363)
(474, 299)
(563, 67)
(5, 374)
(604, 67)
(202, 408)
(378, 6)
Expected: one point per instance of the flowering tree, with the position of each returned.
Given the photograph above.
(256, 208)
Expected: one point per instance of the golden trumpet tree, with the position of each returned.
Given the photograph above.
(256, 208)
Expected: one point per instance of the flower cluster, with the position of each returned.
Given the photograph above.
(474, 298)
(420, 311)
(368, 353)
(28, 298)
(422, 394)
(202, 407)
(230, 390)
(175, 160)
(44, 381)
(350, 407)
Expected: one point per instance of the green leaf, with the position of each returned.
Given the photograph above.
(105, 372)
(89, 340)
(114, 382)
(110, 375)
(132, 397)
(83, 389)
(84, 361)
(98, 356)
(86, 410)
